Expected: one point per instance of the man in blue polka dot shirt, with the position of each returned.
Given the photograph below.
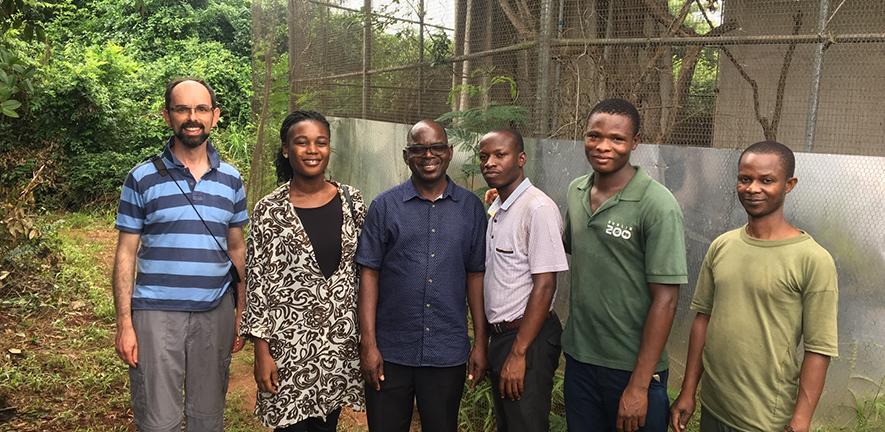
(422, 252)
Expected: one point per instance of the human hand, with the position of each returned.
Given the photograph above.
(239, 341)
(632, 409)
(490, 195)
(681, 411)
(372, 366)
(476, 365)
(265, 370)
(512, 377)
(126, 344)
(798, 425)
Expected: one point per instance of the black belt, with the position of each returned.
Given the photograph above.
(506, 326)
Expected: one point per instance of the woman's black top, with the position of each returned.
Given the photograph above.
(323, 227)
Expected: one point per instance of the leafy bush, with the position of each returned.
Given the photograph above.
(98, 93)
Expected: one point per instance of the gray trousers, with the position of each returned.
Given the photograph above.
(532, 411)
(183, 362)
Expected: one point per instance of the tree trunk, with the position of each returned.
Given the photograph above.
(463, 99)
(257, 33)
(294, 9)
(460, 21)
(255, 189)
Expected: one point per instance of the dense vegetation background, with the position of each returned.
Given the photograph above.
(83, 87)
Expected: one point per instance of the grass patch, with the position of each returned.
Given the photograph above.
(64, 374)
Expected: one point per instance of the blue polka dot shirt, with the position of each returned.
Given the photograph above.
(423, 251)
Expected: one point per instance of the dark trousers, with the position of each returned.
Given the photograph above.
(314, 424)
(532, 411)
(437, 391)
(592, 394)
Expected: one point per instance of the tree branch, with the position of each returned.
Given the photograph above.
(680, 91)
(659, 51)
(514, 18)
(759, 117)
(782, 82)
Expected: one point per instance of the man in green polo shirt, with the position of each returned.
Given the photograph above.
(625, 235)
(763, 288)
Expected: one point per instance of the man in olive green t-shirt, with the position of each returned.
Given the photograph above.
(762, 289)
(625, 235)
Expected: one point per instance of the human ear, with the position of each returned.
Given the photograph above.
(791, 183)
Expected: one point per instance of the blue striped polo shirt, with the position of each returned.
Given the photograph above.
(180, 267)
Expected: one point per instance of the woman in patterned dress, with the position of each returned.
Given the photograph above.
(301, 286)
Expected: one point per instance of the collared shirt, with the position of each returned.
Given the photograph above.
(634, 238)
(524, 237)
(423, 251)
(180, 267)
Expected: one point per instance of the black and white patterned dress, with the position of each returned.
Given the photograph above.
(310, 322)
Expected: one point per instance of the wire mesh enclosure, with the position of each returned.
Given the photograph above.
(713, 73)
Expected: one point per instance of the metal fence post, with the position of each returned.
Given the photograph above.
(542, 96)
(421, 58)
(814, 98)
(367, 55)
(295, 10)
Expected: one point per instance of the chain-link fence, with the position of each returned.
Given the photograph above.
(702, 180)
(720, 73)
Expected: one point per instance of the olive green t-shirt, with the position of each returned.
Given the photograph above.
(634, 238)
(764, 297)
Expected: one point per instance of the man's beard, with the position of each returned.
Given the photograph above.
(188, 140)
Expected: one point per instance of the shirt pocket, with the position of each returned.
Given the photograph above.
(508, 259)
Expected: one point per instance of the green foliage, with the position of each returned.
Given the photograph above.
(869, 414)
(235, 145)
(16, 74)
(148, 26)
(96, 96)
(28, 16)
(477, 414)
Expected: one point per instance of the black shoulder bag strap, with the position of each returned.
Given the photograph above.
(234, 274)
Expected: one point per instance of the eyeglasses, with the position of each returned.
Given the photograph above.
(183, 110)
(438, 149)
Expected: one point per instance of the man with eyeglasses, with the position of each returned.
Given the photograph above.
(180, 219)
(422, 251)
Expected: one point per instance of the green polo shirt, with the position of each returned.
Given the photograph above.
(633, 239)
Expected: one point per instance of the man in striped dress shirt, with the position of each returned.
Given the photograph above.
(173, 287)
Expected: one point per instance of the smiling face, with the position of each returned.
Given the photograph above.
(190, 114)
(428, 166)
(762, 184)
(307, 148)
(500, 160)
(608, 141)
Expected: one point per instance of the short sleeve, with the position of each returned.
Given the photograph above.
(665, 260)
(476, 260)
(130, 212)
(370, 249)
(820, 304)
(240, 216)
(545, 252)
(704, 290)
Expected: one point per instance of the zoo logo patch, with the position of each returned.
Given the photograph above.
(617, 230)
